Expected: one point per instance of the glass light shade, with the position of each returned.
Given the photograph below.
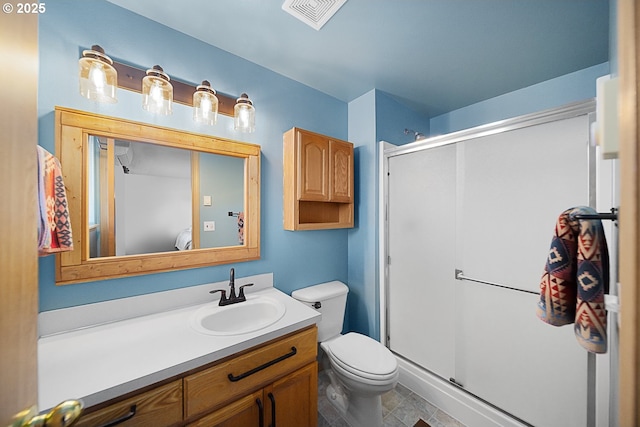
(205, 104)
(244, 115)
(157, 92)
(98, 78)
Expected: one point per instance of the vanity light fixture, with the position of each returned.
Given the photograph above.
(157, 91)
(244, 114)
(98, 78)
(205, 104)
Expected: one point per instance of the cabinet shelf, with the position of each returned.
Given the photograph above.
(316, 215)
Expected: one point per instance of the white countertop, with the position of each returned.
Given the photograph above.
(98, 363)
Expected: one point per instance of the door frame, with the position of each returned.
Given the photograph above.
(18, 216)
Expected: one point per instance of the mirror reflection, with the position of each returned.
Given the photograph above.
(146, 198)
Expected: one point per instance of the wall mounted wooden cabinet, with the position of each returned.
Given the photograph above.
(318, 181)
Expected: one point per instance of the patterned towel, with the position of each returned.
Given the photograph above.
(576, 277)
(54, 231)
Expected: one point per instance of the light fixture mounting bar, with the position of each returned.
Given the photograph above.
(130, 78)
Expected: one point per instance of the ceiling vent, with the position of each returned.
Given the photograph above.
(314, 13)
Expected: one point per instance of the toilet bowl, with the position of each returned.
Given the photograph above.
(361, 363)
(359, 367)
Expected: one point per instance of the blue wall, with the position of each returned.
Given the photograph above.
(373, 117)
(215, 170)
(297, 259)
(362, 309)
(562, 90)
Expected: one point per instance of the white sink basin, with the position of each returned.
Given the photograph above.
(257, 312)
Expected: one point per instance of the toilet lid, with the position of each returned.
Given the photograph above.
(365, 355)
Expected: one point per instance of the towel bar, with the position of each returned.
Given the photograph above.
(611, 302)
(613, 216)
(460, 276)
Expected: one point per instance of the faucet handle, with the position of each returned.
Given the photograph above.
(241, 294)
(223, 295)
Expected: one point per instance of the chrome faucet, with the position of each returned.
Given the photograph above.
(232, 295)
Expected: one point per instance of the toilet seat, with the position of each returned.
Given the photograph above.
(363, 358)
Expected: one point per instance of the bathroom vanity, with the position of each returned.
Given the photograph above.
(158, 370)
(286, 391)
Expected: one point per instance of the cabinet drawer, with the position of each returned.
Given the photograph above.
(243, 412)
(161, 406)
(247, 372)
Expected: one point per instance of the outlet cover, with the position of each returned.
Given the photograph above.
(209, 225)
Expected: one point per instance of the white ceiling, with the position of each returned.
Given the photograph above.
(433, 55)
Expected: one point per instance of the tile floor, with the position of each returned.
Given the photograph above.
(400, 408)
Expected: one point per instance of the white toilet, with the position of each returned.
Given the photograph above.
(361, 369)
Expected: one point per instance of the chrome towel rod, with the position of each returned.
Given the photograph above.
(611, 302)
(460, 276)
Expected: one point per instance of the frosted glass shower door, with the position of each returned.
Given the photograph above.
(421, 247)
(514, 185)
(486, 203)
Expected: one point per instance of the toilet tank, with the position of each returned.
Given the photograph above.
(330, 299)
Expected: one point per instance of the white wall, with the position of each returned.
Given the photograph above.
(156, 210)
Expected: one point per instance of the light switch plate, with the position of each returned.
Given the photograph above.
(206, 200)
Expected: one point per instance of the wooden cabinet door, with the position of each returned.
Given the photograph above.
(313, 162)
(340, 171)
(245, 412)
(292, 401)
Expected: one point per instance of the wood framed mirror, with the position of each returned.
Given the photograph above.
(139, 197)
